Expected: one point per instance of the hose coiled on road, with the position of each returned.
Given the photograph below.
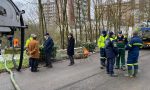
(11, 75)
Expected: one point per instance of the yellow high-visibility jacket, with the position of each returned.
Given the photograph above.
(101, 41)
(28, 41)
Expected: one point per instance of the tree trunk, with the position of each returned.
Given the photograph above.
(59, 23)
(79, 8)
(89, 20)
(41, 26)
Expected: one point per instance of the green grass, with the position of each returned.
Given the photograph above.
(11, 66)
(1, 67)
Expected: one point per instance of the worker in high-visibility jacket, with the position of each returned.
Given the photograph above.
(101, 45)
(16, 42)
(121, 43)
(111, 53)
(133, 53)
(28, 40)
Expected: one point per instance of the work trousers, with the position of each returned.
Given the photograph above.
(48, 60)
(34, 64)
(102, 57)
(120, 61)
(110, 65)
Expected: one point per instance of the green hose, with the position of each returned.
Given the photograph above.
(11, 76)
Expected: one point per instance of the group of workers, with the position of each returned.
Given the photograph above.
(32, 49)
(112, 52)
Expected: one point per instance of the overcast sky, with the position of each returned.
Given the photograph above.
(30, 8)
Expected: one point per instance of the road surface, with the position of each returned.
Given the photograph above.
(84, 75)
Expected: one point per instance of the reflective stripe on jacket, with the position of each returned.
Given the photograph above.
(133, 48)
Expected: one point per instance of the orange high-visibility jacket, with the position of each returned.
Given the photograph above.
(16, 42)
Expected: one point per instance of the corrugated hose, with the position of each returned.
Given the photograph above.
(11, 74)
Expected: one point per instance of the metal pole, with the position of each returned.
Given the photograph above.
(22, 43)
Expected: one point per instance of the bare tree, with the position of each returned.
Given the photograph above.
(58, 15)
(89, 20)
(41, 18)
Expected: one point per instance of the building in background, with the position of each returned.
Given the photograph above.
(80, 11)
(70, 12)
(49, 9)
(74, 7)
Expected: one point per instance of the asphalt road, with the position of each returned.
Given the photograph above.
(84, 75)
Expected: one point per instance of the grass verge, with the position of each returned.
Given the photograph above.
(11, 66)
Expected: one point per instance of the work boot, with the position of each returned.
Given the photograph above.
(46, 65)
(127, 75)
(36, 71)
(71, 64)
(130, 74)
(123, 68)
(135, 72)
(102, 67)
(108, 73)
(50, 66)
(114, 75)
(116, 67)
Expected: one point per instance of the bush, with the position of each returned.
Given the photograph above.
(90, 46)
(54, 51)
(53, 54)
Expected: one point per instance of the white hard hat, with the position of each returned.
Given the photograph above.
(32, 35)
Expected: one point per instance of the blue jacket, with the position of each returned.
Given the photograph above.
(111, 48)
(133, 48)
(48, 45)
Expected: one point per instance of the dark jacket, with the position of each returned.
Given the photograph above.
(134, 47)
(70, 47)
(111, 48)
(48, 45)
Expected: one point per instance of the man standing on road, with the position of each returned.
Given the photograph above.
(48, 46)
(121, 42)
(33, 49)
(70, 48)
(101, 45)
(111, 53)
(133, 53)
(26, 46)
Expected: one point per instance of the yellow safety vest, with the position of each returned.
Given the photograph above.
(28, 41)
(101, 41)
(111, 39)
